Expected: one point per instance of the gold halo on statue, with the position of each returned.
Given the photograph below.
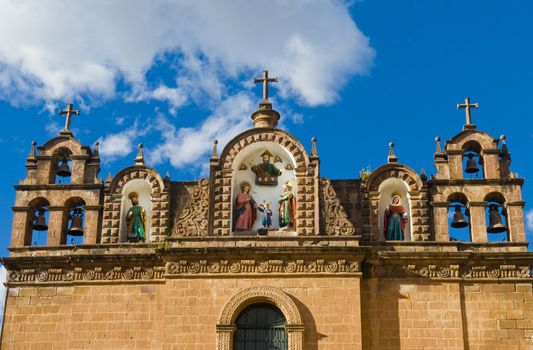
(133, 195)
(244, 184)
(265, 202)
(267, 153)
(289, 184)
(397, 193)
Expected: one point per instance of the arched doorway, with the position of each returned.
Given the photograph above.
(260, 327)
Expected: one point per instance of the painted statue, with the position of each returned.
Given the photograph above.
(395, 220)
(287, 207)
(245, 211)
(136, 220)
(267, 214)
(266, 173)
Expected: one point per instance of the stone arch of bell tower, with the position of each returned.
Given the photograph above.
(306, 175)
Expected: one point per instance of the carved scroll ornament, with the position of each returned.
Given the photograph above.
(334, 219)
(193, 220)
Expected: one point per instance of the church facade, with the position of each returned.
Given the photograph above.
(265, 253)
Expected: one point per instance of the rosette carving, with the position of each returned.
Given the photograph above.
(334, 220)
(193, 220)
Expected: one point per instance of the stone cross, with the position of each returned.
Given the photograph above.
(265, 80)
(467, 105)
(69, 112)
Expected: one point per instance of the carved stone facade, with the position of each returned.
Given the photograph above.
(332, 274)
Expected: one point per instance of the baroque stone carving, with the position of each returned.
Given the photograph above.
(334, 219)
(193, 220)
(261, 267)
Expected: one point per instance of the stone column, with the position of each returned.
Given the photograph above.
(515, 221)
(478, 225)
(295, 336)
(225, 336)
(455, 163)
(491, 163)
(440, 221)
(21, 234)
(92, 216)
(55, 225)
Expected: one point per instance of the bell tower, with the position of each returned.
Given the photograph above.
(475, 183)
(59, 201)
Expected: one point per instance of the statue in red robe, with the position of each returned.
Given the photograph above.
(245, 209)
(395, 220)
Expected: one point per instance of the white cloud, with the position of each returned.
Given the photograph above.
(313, 46)
(113, 146)
(183, 147)
(529, 220)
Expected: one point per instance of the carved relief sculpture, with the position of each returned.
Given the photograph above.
(266, 173)
(136, 220)
(287, 207)
(245, 212)
(395, 220)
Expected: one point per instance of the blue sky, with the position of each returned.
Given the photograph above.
(176, 75)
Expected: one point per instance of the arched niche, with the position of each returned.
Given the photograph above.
(497, 201)
(241, 172)
(61, 156)
(144, 190)
(387, 189)
(70, 205)
(37, 207)
(226, 325)
(472, 151)
(459, 234)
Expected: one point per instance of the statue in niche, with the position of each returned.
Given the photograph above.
(266, 173)
(245, 211)
(287, 207)
(136, 220)
(267, 214)
(395, 220)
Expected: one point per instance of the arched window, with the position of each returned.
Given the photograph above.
(38, 219)
(496, 218)
(459, 218)
(260, 327)
(61, 167)
(75, 219)
(473, 161)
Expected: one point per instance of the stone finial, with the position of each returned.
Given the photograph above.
(139, 160)
(505, 150)
(108, 179)
(167, 175)
(214, 153)
(313, 147)
(438, 150)
(392, 158)
(31, 161)
(423, 175)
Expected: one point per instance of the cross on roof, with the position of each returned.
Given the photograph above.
(265, 80)
(68, 112)
(467, 105)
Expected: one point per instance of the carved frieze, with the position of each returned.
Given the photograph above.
(334, 219)
(261, 266)
(193, 220)
(450, 271)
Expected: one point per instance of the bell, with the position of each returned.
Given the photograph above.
(63, 169)
(458, 218)
(39, 223)
(76, 218)
(495, 220)
(471, 166)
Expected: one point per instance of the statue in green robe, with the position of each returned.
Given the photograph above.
(266, 173)
(287, 208)
(136, 220)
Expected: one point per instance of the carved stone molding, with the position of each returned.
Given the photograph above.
(249, 296)
(334, 219)
(193, 220)
(79, 274)
(451, 271)
(322, 266)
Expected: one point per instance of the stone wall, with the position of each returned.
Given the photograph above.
(179, 314)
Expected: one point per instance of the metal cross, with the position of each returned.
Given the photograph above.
(265, 80)
(467, 105)
(69, 112)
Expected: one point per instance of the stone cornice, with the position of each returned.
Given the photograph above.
(475, 182)
(58, 187)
